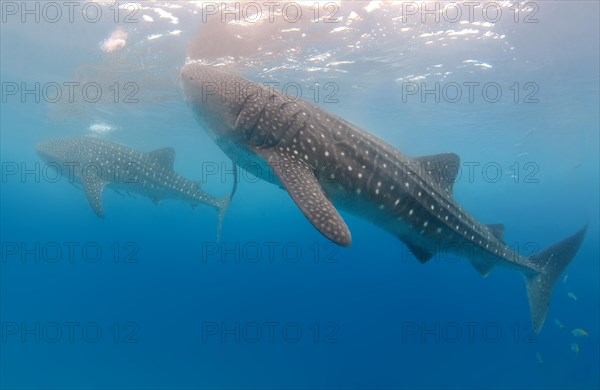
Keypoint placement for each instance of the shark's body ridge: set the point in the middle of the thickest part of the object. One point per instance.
(325, 163)
(96, 164)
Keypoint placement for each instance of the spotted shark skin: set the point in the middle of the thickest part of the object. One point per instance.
(326, 163)
(95, 164)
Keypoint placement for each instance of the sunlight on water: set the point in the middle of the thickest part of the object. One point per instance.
(505, 93)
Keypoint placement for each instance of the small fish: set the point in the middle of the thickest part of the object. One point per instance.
(565, 279)
(572, 296)
(539, 358)
(579, 333)
(575, 348)
(559, 324)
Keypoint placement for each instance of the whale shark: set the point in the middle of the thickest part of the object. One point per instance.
(326, 163)
(96, 164)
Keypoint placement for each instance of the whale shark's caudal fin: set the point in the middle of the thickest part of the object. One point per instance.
(552, 261)
(225, 201)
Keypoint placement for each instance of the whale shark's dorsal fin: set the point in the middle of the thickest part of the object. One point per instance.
(164, 156)
(302, 184)
(497, 229)
(443, 167)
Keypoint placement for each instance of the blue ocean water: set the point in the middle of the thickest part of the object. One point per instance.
(146, 298)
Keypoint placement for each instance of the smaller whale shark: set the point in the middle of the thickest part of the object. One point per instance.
(95, 164)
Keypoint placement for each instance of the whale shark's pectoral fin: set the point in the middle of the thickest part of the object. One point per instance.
(93, 187)
(165, 157)
(301, 183)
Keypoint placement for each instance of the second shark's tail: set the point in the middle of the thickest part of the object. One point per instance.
(551, 261)
(224, 202)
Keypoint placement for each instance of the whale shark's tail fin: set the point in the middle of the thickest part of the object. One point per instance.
(551, 261)
(225, 201)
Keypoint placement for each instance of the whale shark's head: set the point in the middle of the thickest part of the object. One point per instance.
(68, 152)
(63, 155)
(219, 99)
(54, 151)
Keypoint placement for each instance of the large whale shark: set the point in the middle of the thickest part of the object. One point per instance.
(326, 163)
(95, 164)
